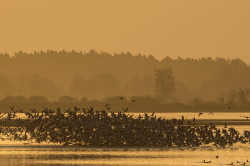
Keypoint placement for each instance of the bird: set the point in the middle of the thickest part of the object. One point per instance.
(121, 98)
(247, 117)
(132, 101)
(225, 125)
(76, 109)
(11, 108)
(125, 109)
(200, 114)
(216, 156)
(21, 111)
(207, 161)
(33, 110)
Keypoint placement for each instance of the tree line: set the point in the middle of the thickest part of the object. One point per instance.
(99, 75)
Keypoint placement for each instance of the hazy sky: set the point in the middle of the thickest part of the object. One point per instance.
(185, 28)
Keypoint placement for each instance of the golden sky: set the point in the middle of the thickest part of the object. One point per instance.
(185, 28)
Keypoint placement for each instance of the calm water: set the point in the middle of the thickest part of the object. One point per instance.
(18, 153)
(205, 115)
(44, 155)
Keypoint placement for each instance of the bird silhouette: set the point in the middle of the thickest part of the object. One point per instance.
(12, 108)
(125, 109)
(121, 98)
(207, 161)
(247, 117)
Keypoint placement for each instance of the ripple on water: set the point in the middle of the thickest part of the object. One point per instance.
(58, 155)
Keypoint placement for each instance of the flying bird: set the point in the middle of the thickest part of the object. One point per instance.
(11, 108)
(125, 109)
(200, 114)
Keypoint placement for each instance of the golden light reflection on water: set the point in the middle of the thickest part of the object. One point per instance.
(45, 155)
(205, 115)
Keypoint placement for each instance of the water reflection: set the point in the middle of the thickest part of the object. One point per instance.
(43, 155)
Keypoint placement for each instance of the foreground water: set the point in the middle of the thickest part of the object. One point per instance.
(57, 155)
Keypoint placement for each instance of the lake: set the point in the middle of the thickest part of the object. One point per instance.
(57, 155)
(205, 115)
(18, 153)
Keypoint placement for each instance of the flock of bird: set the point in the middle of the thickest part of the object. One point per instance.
(232, 163)
(86, 127)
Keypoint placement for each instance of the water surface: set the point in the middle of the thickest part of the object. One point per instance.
(57, 155)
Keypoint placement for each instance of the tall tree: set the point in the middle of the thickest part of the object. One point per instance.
(164, 84)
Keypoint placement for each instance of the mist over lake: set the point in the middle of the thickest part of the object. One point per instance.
(124, 83)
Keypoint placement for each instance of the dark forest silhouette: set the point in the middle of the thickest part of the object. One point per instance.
(100, 76)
